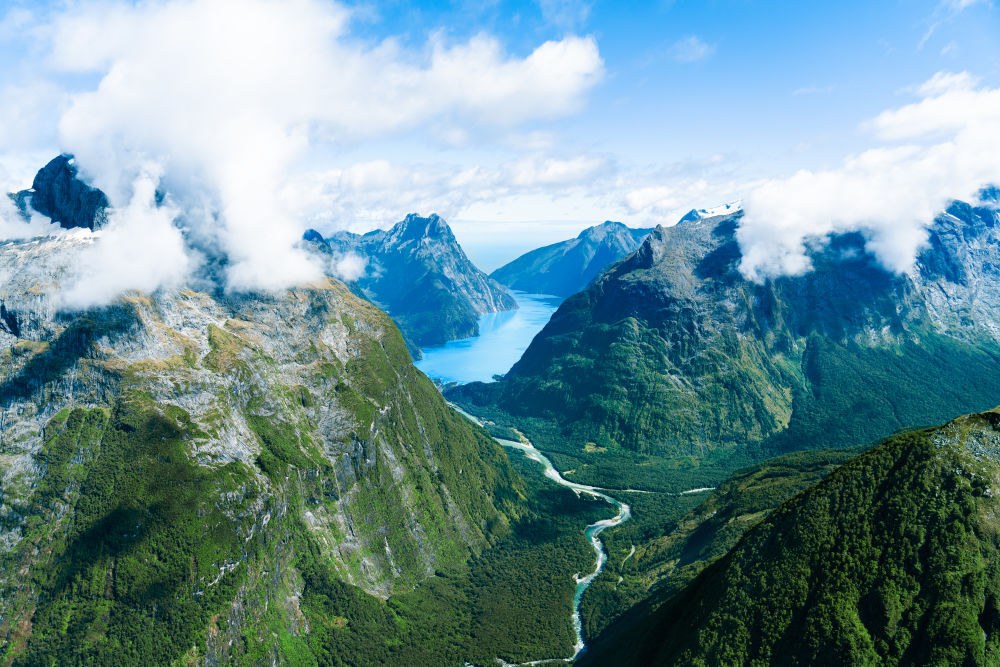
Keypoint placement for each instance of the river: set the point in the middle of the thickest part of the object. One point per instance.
(502, 338)
(591, 532)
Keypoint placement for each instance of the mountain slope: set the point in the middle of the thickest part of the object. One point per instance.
(893, 559)
(58, 193)
(663, 553)
(567, 267)
(672, 352)
(220, 472)
(423, 279)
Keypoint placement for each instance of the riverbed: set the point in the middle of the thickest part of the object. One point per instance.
(591, 532)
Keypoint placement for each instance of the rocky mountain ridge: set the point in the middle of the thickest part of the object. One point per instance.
(567, 267)
(420, 275)
(672, 351)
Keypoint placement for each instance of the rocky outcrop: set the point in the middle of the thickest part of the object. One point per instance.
(567, 267)
(58, 193)
(421, 276)
(205, 460)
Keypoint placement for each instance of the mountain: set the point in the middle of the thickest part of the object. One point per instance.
(713, 212)
(567, 267)
(58, 193)
(662, 550)
(671, 352)
(421, 276)
(196, 476)
(892, 559)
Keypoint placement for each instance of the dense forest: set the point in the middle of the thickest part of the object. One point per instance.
(146, 569)
(892, 559)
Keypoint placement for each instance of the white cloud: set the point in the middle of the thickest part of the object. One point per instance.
(704, 184)
(349, 266)
(691, 49)
(946, 12)
(945, 82)
(942, 147)
(530, 172)
(378, 192)
(231, 98)
(29, 114)
(14, 226)
(139, 249)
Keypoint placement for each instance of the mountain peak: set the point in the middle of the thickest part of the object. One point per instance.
(313, 235)
(598, 232)
(58, 193)
(413, 227)
(566, 267)
(714, 212)
(316, 241)
(424, 279)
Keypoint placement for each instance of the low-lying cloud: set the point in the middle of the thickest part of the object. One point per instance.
(232, 100)
(945, 146)
(139, 249)
(13, 226)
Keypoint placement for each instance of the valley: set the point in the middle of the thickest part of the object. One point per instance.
(359, 333)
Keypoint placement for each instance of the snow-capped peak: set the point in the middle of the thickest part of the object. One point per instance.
(715, 211)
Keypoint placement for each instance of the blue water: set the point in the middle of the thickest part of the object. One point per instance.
(502, 338)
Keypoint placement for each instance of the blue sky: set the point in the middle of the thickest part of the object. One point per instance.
(772, 75)
(778, 84)
(641, 110)
(770, 87)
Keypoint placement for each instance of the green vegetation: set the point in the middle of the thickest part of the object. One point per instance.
(141, 546)
(673, 538)
(849, 394)
(135, 573)
(892, 559)
(859, 394)
(513, 601)
(672, 360)
(612, 468)
(141, 560)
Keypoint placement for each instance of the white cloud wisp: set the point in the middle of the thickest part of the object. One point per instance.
(945, 146)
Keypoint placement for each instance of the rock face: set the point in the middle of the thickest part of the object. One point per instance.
(182, 470)
(671, 351)
(58, 193)
(420, 275)
(892, 559)
(567, 267)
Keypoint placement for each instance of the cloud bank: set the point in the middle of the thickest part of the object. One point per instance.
(139, 249)
(376, 192)
(944, 146)
(223, 104)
